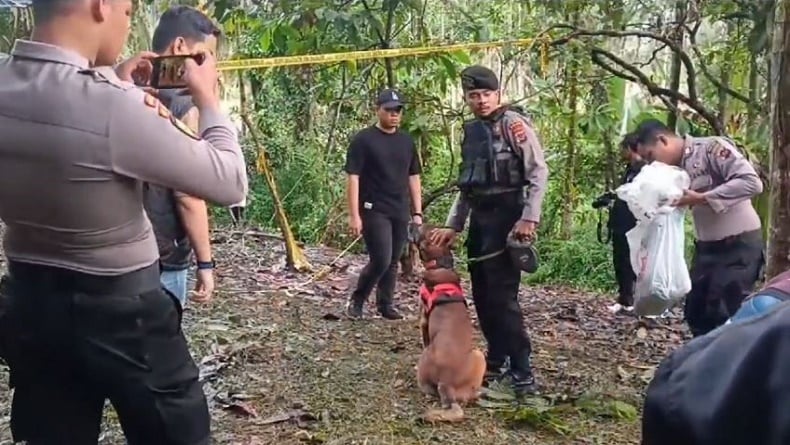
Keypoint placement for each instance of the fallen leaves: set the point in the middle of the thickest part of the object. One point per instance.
(280, 365)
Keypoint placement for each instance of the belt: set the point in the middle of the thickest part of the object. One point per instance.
(745, 238)
(40, 277)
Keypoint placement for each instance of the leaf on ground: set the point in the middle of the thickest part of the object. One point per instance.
(298, 415)
(242, 408)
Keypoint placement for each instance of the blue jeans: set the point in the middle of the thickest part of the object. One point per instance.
(175, 281)
(754, 307)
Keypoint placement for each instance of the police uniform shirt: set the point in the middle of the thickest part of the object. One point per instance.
(728, 181)
(520, 131)
(76, 145)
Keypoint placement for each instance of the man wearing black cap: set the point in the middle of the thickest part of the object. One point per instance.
(502, 181)
(383, 174)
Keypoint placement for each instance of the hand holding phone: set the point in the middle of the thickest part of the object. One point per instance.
(170, 71)
(202, 79)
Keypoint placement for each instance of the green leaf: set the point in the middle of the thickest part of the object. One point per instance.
(462, 57)
(266, 40)
(624, 410)
(449, 66)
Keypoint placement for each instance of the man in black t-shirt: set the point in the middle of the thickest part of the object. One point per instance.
(383, 177)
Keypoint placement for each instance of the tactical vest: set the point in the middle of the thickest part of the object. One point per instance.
(487, 156)
(175, 250)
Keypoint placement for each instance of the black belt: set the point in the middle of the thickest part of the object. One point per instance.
(751, 238)
(39, 277)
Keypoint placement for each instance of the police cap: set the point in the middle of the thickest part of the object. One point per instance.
(477, 77)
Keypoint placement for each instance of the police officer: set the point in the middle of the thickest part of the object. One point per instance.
(728, 252)
(502, 180)
(87, 318)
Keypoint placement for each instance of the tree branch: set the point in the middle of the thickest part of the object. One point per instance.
(628, 71)
(691, 73)
(712, 79)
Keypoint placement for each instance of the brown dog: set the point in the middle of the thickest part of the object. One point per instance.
(450, 367)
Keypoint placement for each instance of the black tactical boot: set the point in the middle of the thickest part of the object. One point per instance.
(495, 371)
(355, 307)
(522, 377)
(388, 312)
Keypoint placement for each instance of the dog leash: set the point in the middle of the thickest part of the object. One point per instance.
(324, 270)
(478, 259)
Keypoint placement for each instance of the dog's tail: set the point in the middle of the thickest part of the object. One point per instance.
(450, 411)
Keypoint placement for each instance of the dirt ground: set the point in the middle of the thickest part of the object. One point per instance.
(280, 365)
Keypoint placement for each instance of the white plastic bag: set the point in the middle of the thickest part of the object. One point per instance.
(657, 241)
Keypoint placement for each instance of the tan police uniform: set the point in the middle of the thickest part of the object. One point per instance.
(87, 318)
(503, 179)
(728, 253)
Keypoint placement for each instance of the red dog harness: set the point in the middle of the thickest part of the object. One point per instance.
(441, 294)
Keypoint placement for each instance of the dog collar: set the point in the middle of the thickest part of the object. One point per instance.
(445, 262)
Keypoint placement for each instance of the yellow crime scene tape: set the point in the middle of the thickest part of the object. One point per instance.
(314, 59)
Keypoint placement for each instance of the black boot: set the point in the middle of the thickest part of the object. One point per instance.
(388, 312)
(522, 377)
(355, 307)
(495, 371)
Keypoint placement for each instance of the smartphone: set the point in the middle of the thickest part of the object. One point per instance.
(168, 71)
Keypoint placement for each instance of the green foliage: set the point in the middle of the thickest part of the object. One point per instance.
(306, 115)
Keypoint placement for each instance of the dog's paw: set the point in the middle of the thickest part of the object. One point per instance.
(453, 414)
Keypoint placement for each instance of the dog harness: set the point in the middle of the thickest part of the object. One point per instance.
(441, 294)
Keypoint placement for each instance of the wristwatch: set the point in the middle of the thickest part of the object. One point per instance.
(204, 265)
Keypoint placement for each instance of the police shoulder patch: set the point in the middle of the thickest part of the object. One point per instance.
(164, 112)
(184, 128)
(518, 129)
(151, 101)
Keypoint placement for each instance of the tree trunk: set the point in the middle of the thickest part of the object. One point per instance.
(569, 180)
(779, 233)
(675, 71)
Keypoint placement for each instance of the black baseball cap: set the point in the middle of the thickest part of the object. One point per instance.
(389, 98)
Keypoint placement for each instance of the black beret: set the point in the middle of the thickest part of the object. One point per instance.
(478, 77)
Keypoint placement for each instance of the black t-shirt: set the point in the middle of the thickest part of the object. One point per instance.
(384, 162)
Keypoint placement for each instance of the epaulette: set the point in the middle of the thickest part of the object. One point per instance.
(105, 74)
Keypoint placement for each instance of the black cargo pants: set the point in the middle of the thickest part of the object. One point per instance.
(495, 281)
(385, 238)
(72, 340)
(722, 273)
(623, 271)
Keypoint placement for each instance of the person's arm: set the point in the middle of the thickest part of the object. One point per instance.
(415, 184)
(352, 195)
(193, 211)
(355, 162)
(526, 141)
(458, 213)
(147, 143)
(741, 181)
